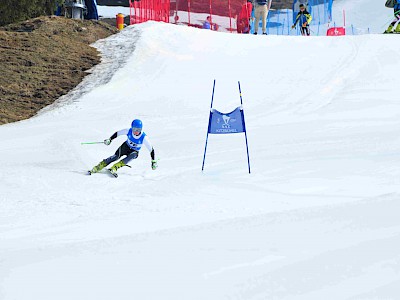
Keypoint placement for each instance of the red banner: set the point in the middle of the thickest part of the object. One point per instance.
(336, 31)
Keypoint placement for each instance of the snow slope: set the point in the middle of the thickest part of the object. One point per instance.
(316, 219)
(365, 15)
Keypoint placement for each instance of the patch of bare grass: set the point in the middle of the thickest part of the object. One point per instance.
(42, 59)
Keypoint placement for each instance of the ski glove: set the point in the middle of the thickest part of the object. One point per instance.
(107, 142)
(154, 164)
(305, 24)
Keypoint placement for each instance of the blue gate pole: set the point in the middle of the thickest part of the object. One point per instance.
(244, 127)
(209, 124)
(288, 23)
(277, 26)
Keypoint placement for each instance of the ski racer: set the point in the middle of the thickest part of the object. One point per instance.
(396, 19)
(130, 148)
(304, 18)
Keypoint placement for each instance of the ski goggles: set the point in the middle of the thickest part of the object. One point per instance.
(136, 131)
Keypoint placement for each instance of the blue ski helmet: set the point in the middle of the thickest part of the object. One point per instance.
(137, 125)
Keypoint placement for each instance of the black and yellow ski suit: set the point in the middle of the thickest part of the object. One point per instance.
(304, 19)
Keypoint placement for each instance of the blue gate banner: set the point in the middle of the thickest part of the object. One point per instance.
(221, 123)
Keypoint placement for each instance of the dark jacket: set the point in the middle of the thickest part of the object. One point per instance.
(262, 2)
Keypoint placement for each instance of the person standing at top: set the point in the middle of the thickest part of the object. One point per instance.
(261, 11)
(396, 19)
(130, 148)
(304, 19)
(243, 18)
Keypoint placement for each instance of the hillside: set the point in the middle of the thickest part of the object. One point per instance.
(42, 59)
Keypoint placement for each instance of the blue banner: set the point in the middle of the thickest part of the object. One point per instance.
(221, 123)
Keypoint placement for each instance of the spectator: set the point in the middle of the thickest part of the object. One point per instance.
(207, 23)
(243, 18)
(304, 19)
(261, 10)
(396, 8)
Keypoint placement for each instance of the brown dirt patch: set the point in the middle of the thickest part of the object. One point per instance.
(42, 59)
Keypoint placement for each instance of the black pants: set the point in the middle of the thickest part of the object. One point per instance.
(305, 30)
(124, 149)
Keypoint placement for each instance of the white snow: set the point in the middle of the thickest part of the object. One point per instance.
(365, 15)
(112, 11)
(316, 219)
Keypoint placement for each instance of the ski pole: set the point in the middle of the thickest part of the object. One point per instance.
(90, 143)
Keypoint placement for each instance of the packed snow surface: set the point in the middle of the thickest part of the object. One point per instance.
(317, 218)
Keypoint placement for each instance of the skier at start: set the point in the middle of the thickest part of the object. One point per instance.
(130, 148)
(304, 19)
(396, 6)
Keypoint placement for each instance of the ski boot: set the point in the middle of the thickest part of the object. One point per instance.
(389, 30)
(115, 167)
(154, 164)
(97, 168)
